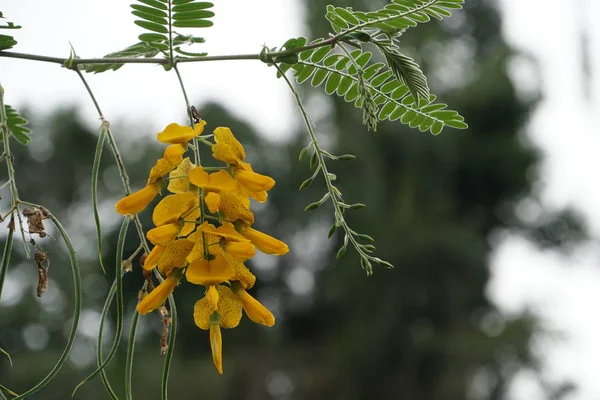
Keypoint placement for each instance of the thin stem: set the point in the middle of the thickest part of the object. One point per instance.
(185, 96)
(339, 216)
(6, 261)
(14, 193)
(119, 160)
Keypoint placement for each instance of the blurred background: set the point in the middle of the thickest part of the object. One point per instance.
(493, 230)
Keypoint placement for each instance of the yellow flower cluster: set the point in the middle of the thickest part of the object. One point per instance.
(186, 244)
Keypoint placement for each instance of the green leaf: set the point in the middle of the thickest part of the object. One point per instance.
(189, 15)
(150, 10)
(155, 4)
(151, 26)
(408, 72)
(7, 42)
(17, 125)
(153, 37)
(201, 23)
(191, 6)
(150, 18)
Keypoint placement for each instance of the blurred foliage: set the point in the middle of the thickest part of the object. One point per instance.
(423, 331)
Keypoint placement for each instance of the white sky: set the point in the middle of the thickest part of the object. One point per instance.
(564, 291)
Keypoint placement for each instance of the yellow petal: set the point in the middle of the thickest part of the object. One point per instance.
(212, 296)
(160, 169)
(235, 205)
(261, 197)
(255, 311)
(179, 181)
(174, 256)
(152, 259)
(175, 133)
(137, 201)
(157, 297)
(242, 273)
(173, 153)
(164, 234)
(227, 148)
(203, 232)
(213, 201)
(216, 346)
(254, 182)
(229, 308)
(227, 230)
(171, 207)
(240, 250)
(209, 272)
(215, 182)
(265, 243)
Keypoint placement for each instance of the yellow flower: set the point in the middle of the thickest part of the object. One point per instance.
(229, 308)
(137, 201)
(209, 272)
(157, 297)
(179, 181)
(170, 160)
(175, 133)
(227, 315)
(174, 256)
(213, 202)
(255, 311)
(176, 207)
(161, 235)
(265, 243)
(235, 205)
(229, 150)
(215, 182)
(153, 258)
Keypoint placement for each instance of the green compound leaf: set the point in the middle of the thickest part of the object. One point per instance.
(17, 125)
(392, 19)
(160, 18)
(381, 95)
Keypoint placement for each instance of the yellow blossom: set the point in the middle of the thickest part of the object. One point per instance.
(137, 201)
(216, 182)
(178, 206)
(227, 148)
(229, 308)
(213, 202)
(175, 133)
(153, 258)
(235, 205)
(157, 297)
(161, 235)
(174, 256)
(265, 243)
(255, 311)
(209, 272)
(179, 181)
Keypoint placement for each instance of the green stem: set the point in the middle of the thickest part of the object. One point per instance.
(95, 173)
(119, 160)
(170, 349)
(130, 353)
(339, 216)
(6, 261)
(120, 305)
(14, 193)
(99, 356)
